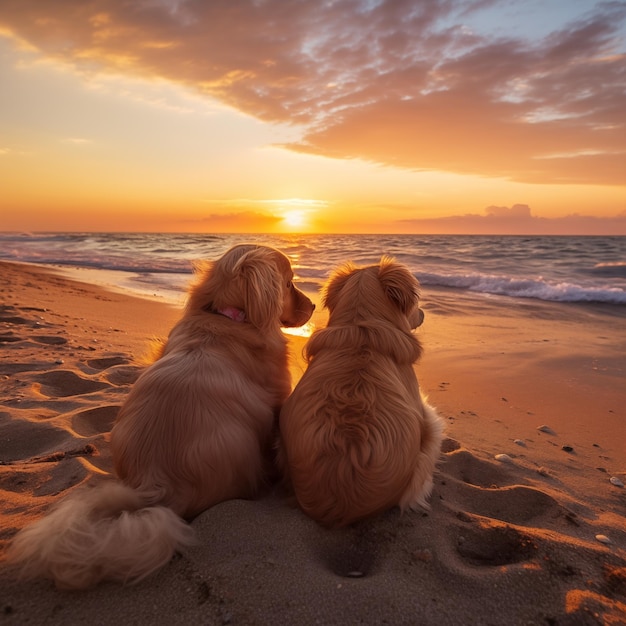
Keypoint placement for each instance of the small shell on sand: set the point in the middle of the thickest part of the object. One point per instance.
(545, 429)
(616, 481)
(505, 458)
(603, 539)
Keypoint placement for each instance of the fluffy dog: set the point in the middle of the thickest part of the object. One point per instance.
(197, 428)
(357, 437)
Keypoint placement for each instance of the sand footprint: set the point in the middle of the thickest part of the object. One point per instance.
(65, 383)
(95, 421)
(117, 369)
(495, 508)
(49, 340)
(487, 489)
(462, 465)
(104, 363)
(476, 489)
(490, 545)
(9, 318)
(122, 375)
(30, 439)
(517, 504)
(449, 445)
(38, 480)
(9, 337)
(13, 315)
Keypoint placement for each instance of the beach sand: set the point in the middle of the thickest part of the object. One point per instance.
(509, 540)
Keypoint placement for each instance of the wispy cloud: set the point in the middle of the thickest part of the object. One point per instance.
(302, 204)
(395, 82)
(234, 221)
(76, 141)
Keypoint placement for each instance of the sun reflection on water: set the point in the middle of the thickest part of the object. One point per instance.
(301, 331)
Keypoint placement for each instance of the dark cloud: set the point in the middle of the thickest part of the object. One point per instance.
(395, 82)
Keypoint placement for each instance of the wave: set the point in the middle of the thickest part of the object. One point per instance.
(140, 266)
(525, 288)
(569, 269)
(616, 269)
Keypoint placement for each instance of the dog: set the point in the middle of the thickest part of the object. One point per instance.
(356, 435)
(198, 427)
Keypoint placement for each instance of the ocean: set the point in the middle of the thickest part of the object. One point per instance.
(563, 269)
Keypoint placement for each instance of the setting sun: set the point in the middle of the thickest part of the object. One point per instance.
(294, 218)
(165, 119)
(298, 214)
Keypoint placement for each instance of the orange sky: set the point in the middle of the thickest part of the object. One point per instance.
(275, 115)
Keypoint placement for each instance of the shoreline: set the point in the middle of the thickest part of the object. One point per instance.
(507, 540)
(121, 281)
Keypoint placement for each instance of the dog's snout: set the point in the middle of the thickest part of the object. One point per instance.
(298, 309)
(416, 318)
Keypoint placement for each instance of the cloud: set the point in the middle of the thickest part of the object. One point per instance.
(243, 221)
(517, 219)
(516, 211)
(395, 82)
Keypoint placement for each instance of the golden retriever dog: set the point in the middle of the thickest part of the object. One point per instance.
(197, 428)
(356, 435)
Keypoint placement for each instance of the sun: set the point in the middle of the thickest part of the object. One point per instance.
(294, 218)
(297, 215)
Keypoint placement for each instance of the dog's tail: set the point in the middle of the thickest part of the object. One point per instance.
(108, 532)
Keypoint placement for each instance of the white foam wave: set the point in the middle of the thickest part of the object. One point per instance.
(526, 288)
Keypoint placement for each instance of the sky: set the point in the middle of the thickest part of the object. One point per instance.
(346, 116)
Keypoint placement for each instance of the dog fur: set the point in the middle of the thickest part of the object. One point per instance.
(357, 437)
(197, 428)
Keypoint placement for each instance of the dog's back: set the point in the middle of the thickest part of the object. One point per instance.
(196, 427)
(357, 436)
(351, 429)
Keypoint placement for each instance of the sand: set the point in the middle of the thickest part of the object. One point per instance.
(507, 541)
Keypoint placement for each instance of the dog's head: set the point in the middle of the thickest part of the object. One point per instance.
(254, 281)
(384, 291)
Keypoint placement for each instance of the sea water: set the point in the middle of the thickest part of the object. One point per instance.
(565, 269)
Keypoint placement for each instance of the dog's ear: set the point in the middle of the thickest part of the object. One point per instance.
(335, 284)
(400, 286)
(261, 284)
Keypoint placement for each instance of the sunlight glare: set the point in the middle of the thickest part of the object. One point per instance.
(294, 218)
(297, 214)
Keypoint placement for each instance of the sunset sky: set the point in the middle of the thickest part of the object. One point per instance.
(479, 116)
